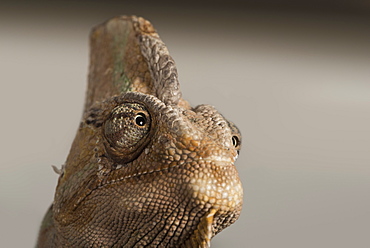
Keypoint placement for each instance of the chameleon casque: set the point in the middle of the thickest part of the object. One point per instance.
(145, 169)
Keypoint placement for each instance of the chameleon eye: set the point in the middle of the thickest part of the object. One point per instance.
(126, 130)
(236, 137)
(235, 140)
(140, 119)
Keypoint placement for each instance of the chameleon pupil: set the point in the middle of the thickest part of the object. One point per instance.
(140, 120)
(235, 141)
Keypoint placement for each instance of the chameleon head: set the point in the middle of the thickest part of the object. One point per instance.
(152, 173)
(145, 169)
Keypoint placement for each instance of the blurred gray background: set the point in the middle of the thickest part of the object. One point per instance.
(294, 76)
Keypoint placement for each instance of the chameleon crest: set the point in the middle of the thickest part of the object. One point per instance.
(145, 168)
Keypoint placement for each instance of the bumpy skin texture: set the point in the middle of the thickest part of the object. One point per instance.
(145, 168)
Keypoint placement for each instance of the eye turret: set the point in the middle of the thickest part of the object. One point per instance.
(126, 131)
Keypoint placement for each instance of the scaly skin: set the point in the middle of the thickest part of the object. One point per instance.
(145, 168)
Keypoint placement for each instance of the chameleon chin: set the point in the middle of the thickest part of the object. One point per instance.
(145, 168)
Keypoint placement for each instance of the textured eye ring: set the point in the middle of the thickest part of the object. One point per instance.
(140, 119)
(126, 131)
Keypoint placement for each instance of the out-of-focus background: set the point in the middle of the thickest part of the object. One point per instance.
(294, 76)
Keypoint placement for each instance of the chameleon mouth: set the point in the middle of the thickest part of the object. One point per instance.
(219, 184)
(218, 160)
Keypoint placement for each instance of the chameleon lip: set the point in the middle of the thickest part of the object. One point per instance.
(218, 160)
